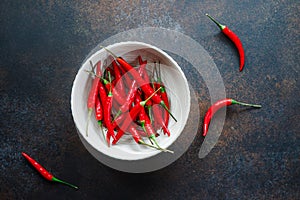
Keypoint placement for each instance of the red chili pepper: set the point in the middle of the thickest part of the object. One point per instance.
(47, 175)
(98, 110)
(158, 118)
(93, 94)
(164, 97)
(142, 115)
(165, 121)
(149, 129)
(102, 95)
(147, 89)
(107, 116)
(99, 113)
(143, 73)
(118, 78)
(220, 104)
(234, 38)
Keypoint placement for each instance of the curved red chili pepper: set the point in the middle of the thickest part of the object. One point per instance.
(93, 94)
(149, 129)
(164, 97)
(159, 119)
(107, 118)
(216, 106)
(146, 123)
(234, 38)
(107, 114)
(142, 116)
(47, 175)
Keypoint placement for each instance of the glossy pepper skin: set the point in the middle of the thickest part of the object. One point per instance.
(93, 94)
(47, 175)
(217, 106)
(98, 110)
(234, 38)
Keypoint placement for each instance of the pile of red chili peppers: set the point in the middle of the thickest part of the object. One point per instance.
(127, 100)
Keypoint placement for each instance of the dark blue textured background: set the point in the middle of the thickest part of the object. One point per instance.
(42, 44)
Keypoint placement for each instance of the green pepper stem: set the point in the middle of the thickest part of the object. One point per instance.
(152, 136)
(109, 51)
(63, 182)
(101, 127)
(245, 104)
(144, 102)
(162, 103)
(149, 145)
(117, 115)
(150, 114)
(109, 79)
(221, 26)
(144, 129)
(88, 121)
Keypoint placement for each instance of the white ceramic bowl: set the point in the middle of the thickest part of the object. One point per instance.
(176, 87)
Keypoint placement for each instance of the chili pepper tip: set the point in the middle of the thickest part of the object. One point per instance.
(63, 182)
(158, 148)
(245, 104)
(109, 51)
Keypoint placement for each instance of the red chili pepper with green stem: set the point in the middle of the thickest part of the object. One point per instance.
(147, 89)
(142, 115)
(47, 175)
(143, 73)
(218, 105)
(149, 128)
(93, 93)
(159, 119)
(234, 38)
(107, 115)
(164, 97)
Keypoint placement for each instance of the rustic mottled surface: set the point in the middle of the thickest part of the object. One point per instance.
(42, 44)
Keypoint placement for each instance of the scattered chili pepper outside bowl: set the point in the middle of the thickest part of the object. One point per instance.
(160, 67)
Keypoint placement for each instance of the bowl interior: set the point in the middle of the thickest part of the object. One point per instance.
(176, 87)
